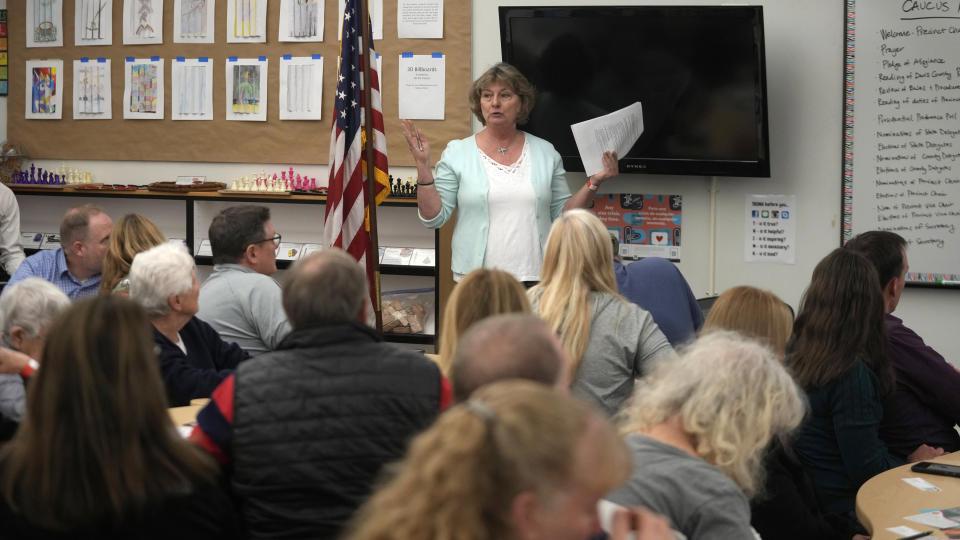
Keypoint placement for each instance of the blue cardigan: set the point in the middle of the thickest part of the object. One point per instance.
(462, 183)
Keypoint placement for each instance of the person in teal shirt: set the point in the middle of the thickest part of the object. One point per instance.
(507, 186)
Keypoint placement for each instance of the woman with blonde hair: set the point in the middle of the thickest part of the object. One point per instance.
(608, 339)
(754, 313)
(97, 455)
(698, 427)
(515, 461)
(480, 294)
(131, 234)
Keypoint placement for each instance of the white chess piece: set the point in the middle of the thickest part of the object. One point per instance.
(87, 178)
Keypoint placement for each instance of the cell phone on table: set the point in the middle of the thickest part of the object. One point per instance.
(942, 469)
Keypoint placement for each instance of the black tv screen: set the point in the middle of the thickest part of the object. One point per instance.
(698, 71)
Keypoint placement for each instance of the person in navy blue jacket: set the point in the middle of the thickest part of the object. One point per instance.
(193, 358)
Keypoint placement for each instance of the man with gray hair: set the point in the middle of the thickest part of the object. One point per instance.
(26, 311)
(75, 267)
(305, 429)
(509, 346)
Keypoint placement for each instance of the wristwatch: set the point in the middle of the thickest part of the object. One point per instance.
(592, 187)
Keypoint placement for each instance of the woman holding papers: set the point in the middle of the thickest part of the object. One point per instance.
(507, 185)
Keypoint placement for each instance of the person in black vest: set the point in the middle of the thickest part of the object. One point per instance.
(306, 428)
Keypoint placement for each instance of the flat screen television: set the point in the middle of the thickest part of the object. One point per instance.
(698, 71)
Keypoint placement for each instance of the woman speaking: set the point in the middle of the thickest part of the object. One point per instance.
(508, 186)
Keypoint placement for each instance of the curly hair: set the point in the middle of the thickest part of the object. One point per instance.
(510, 76)
(732, 396)
(460, 477)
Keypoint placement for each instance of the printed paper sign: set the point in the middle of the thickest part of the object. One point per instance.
(770, 229)
(646, 225)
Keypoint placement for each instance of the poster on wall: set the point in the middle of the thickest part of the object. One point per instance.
(301, 94)
(193, 21)
(247, 21)
(771, 234)
(645, 225)
(93, 23)
(4, 72)
(143, 88)
(91, 89)
(142, 22)
(300, 20)
(44, 88)
(247, 89)
(44, 23)
(192, 81)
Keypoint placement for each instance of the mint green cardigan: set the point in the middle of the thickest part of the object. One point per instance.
(462, 183)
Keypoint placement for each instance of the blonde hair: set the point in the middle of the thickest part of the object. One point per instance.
(732, 396)
(577, 261)
(132, 234)
(755, 313)
(460, 477)
(480, 294)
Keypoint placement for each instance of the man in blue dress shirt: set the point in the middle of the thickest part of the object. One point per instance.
(75, 267)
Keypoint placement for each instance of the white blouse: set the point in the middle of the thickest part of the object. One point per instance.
(513, 242)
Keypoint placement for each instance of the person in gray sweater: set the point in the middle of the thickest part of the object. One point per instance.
(698, 427)
(240, 300)
(610, 341)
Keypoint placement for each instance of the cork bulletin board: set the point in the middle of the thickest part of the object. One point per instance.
(219, 140)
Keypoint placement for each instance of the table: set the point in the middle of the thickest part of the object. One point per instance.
(183, 416)
(885, 499)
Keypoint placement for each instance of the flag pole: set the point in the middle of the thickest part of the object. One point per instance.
(373, 259)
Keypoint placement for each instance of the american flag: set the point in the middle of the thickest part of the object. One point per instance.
(346, 222)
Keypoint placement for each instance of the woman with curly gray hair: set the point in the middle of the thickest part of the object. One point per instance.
(698, 427)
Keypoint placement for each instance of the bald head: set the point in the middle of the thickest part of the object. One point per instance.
(328, 285)
(511, 346)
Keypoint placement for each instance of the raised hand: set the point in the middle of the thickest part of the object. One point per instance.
(416, 141)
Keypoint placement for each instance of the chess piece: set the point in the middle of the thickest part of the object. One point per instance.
(88, 178)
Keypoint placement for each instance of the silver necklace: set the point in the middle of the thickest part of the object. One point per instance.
(503, 149)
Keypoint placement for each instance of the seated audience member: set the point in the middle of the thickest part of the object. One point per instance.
(754, 313)
(97, 456)
(131, 234)
(925, 405)
(608, 340)
(786, 508)
(26, 312)
(193, 358)
(510, 346)
(240, 299)
(481, 293)
(11, 252)
(516, 460)
(657, 286)
(698, 428)
(839, 356)
(307, 428)
(75, 266)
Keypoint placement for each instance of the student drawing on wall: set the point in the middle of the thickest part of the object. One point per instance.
(44, 88)
(193, 18)
(46, 29)
(246, 89)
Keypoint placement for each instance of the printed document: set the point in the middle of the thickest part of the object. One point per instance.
(617, 132)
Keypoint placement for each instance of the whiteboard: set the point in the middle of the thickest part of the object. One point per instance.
(902, 130)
